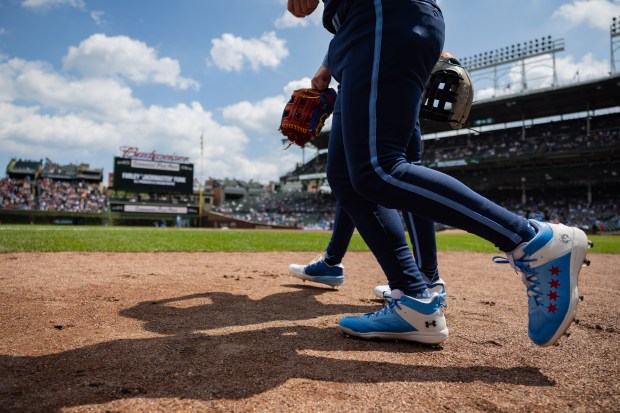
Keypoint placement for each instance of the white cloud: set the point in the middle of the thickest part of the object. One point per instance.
(262, 116)
(232, 53)
(47, 114)
(287, 20)
(97, 17)
(303, 83)
(585, 69)
(48, 4)
(540, 75)
(100, 56)
(31, 134)
(596, 13)
(27, 128)
(36, 82)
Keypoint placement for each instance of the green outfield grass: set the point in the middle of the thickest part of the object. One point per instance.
(35, 238)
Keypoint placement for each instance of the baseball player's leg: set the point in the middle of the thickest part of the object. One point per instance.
(376, 103)
(341, 237)
(424, 244)
(421, 233)
(414, 315)
(378, 128)
(421, 230)
(392, 251)
(328, 269)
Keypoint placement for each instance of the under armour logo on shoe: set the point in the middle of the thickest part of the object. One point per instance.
(430, 323)
(565, 238)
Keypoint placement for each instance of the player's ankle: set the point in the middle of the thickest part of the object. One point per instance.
(419, 293)
(529, 233)
(331, 262)
(432, 275)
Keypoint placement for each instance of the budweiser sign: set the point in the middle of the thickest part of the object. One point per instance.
(133, 152)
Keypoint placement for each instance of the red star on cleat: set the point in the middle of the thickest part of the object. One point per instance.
(553, 296)
(554, 283)
(552, 308)
(555, 270)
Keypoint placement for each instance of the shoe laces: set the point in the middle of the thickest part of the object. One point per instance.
(395, 302)
(387, 309)
(318, 258)
(529, 275)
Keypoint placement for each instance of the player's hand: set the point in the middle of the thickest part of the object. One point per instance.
(302, 8)
(321, 78)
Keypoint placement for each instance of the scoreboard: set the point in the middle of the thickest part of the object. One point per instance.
(142, 175)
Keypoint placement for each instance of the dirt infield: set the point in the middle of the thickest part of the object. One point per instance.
(234, 332)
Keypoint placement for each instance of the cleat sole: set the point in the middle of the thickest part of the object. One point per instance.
(331, 283)
(418, 337)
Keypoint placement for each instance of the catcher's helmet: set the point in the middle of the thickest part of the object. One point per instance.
(448, 93)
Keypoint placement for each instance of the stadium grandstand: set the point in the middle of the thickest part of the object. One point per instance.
(47, 192)
(553, 151)
(39, 186)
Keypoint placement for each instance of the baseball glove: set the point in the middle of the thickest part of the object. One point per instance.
(305, 114)
(448, 94)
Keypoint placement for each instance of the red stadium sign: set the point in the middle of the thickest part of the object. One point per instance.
(134, 152)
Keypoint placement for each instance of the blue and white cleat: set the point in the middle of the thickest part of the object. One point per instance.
(404, 318)
(550, 265)
(319, 272)
(439, 287)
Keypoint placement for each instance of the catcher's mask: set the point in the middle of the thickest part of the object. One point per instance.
(448, 94)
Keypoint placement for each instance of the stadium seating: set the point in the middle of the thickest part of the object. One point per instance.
(32, 187)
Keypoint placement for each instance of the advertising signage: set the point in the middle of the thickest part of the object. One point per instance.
(142, 175)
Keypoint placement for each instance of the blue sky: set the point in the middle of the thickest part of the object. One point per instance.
(81, 78)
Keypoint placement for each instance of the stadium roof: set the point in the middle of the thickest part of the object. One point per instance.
(23, 167)
(540, 103)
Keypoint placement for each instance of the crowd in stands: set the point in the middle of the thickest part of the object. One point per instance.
(602, 215)
(296, 209)
(51, 195)
(316, 210)
(542, 139)
(305, 209)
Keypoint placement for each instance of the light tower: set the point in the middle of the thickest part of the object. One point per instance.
(614, 41)
(496, 63)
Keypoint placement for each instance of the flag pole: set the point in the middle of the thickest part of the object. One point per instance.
(201, 199)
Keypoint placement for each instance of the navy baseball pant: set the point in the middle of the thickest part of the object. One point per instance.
(381, 85)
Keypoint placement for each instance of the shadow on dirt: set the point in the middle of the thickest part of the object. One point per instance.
(190, 363)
